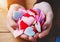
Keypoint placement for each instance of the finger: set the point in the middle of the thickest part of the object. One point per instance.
(11, 22)
(47, 22)
(32, 39)
(45, 32)
(23, 36)
(36, 35)
(10, 17)
(10, 28)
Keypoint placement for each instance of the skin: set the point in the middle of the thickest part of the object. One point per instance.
(45, 7)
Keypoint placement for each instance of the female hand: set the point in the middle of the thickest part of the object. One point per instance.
(12, 25)
(47, 10)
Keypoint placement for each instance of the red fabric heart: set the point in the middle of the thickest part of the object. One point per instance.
(26, 15)
(23, 25)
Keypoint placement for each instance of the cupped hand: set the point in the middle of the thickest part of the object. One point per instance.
(12, 25)
(47, 10)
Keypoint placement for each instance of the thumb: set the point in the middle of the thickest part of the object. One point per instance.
(47, 22)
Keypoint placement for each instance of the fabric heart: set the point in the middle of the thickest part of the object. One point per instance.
(38, 27)
(38, 10)
(22, 25)
(37, 18)
(42, 19)
(29, 31)
(28, 20)
(26, 15)
(17, 15)
(31, 13)
(17, 33)
(42, 16)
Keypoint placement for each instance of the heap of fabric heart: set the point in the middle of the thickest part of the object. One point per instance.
(29, 21)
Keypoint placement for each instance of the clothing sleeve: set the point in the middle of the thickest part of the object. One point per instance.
(21, 2)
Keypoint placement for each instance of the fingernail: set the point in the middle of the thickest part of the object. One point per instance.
(44, 28)
(40, 36)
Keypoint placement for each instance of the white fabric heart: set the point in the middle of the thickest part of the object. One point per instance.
(17, 33)
(28, 20)
(38, 27)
